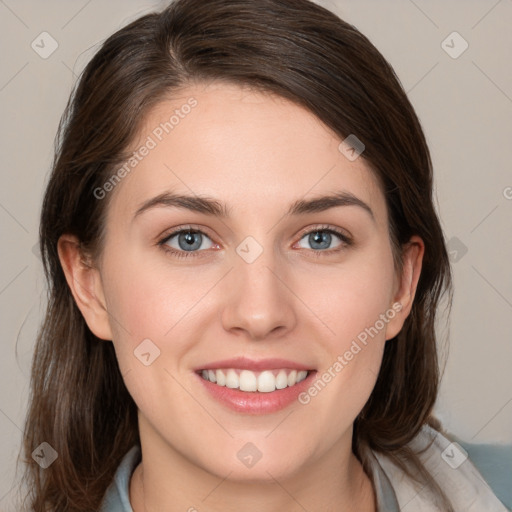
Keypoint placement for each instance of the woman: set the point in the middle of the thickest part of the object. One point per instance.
(245, 267)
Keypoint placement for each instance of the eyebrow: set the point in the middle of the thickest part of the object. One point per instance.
(210, 206)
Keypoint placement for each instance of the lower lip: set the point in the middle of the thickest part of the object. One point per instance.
(257, 402)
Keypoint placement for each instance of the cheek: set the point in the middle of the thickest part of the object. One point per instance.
(354, 303)
(351, 298)
(347, 378)
(164, 305)
(147, 299)
(145, 314)
(142, 306)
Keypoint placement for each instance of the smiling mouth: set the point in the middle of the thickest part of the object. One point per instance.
(248, 381)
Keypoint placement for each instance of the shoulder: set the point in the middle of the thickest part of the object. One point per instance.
(494, 462)
(117, 497)
(462, 472)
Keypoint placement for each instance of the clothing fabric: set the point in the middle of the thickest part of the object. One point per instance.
(447, 462)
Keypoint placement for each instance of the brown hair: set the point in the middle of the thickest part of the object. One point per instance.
(293, 48)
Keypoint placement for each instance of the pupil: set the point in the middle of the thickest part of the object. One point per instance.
(317, 239)
(190, 241)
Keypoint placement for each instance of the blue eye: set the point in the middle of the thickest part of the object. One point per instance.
(187, 240)
(321, 239)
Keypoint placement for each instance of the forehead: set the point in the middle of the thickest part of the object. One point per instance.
(250, 149)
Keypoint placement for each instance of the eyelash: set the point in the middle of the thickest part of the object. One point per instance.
(345, 240)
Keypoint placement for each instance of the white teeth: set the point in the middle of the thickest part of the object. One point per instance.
(301, 376)
(292, 377)
(266, 382)
(232, 379)
(246, 380)
(221, 378)
(281, 380)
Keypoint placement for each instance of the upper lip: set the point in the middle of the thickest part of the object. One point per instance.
(244, 363)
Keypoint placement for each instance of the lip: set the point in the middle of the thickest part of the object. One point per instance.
(256, 403)
(243, 363)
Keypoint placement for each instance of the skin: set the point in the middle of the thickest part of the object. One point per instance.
(257, 153)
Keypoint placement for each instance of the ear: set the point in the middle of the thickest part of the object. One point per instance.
(85, 283)
(406, 285)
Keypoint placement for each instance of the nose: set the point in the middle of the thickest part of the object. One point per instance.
(259, 299)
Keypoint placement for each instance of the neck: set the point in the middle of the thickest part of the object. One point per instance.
(168, 481)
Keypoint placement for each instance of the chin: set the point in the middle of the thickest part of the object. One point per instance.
(250, 465)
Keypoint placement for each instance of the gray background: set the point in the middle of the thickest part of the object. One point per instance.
(464, 103)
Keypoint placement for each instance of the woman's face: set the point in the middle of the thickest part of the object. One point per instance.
(269, 283)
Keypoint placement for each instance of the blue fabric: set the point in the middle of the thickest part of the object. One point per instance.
(495, 464)
(117, 497)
